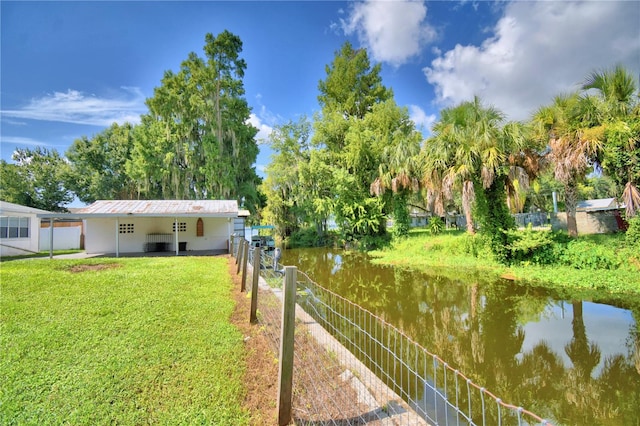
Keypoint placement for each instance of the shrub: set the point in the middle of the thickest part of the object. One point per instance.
(632, 237)
(474, 244)
(588, 255)
(537, 247)
(435, 225)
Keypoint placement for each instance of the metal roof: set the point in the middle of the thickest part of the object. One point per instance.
(599, 204)
(158, 208)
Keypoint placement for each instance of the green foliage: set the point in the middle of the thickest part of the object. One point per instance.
(98, 165)
(131, 341)
(36, 179)
(196, 142)
(460, 251)
(435, 225)
(495, 219)
(401, 218)
(535, 247)
(309, 237)
(288, 207)
(359, 119)
(589, 255)
(632, 236)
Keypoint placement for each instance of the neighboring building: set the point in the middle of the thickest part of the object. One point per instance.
(134, 226)
(19, 229)
(594, 217)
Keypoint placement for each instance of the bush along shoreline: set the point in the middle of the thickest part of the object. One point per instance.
(607, 263)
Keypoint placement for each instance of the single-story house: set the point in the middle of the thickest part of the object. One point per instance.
(135, 226)
(594, 217)
(19, 229)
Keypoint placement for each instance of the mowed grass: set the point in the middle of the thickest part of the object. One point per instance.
(119, 341)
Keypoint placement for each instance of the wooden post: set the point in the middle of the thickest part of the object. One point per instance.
(239, 260)
(245, 260)
(254, 286)
(285, 375)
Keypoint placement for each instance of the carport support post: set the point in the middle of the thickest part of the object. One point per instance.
(50, 238)
(254, 285)
(285, 376)
(175, 230)
(117, 237)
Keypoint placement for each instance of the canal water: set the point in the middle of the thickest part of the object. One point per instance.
(569, 360)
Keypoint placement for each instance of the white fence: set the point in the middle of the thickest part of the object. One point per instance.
(64, 238)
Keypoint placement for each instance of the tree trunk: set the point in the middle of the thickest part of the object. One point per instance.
(467, 197)
(570, 201)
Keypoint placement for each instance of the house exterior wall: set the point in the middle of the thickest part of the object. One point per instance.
(19, 246)
(100, 233)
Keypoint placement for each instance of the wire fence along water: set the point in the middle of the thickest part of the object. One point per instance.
(385, 368)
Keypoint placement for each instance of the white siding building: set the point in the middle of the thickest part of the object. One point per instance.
(135, 226)
(19, 229)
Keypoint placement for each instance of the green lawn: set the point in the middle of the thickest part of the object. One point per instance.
(142, 340)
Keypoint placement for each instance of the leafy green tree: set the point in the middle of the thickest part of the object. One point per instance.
(98, 165)
(348, 133)
(282, 186)
(399, 169)
(36, 179)
(196, 142)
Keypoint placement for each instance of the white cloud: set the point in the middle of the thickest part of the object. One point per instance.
(393, 31)
(76, 107)
(421, 119)
(538, 50)
(264, 131)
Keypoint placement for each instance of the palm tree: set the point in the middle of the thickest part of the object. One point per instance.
(573, 145)
(619, 115)
(464, 150)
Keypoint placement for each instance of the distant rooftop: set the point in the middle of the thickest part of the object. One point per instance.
(599, 204)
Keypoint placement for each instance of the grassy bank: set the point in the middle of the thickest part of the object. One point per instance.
(119, 341)
(455, 253)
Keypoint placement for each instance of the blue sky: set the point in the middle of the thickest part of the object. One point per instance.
(69, 69)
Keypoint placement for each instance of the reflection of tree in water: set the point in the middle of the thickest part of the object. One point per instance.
(476, 327)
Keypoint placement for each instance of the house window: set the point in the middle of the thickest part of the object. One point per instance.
(126, 228)
(14, 227)
(182, 227)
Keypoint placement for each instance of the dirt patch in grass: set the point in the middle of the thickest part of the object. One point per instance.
(76, 269)
(261, 377)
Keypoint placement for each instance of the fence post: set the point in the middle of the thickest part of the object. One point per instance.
(286, 346)
(239, 258)
(254, 285)
(231, 245)
(245, 260)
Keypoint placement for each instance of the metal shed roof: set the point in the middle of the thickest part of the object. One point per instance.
(158, 208)
(599, 204)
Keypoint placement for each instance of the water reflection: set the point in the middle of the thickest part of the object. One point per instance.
(566, 359)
